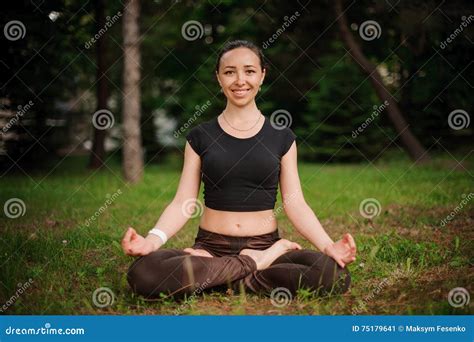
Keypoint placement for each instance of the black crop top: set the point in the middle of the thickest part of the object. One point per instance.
(240, 174)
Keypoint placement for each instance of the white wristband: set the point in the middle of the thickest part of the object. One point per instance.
(161, 234)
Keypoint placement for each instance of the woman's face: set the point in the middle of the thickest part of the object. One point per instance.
(240, 75)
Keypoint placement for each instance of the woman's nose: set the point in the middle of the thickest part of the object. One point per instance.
(240, 78)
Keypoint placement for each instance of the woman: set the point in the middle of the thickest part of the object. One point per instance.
(241, 157)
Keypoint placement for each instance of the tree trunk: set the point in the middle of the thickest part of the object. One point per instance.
(411, 144)
(132, 142)
(98, 151)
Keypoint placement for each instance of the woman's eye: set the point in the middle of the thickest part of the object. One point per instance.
(231, 72)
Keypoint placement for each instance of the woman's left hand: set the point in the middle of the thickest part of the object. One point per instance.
(343, 251)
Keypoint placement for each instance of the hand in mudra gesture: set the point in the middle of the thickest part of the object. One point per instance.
(136, 245)
(343, 251)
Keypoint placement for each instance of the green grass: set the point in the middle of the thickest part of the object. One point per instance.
(67, 259)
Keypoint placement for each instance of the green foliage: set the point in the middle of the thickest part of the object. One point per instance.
(393, 248)
(342, 101)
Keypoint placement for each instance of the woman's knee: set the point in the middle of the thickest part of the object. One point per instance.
(332, 278)
(144, 280)
(342, 280)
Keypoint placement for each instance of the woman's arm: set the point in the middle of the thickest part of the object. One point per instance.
(172, 219)
(305, 221)
(302, 216)
(176, 214)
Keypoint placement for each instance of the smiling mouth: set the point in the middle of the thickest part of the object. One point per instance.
(240, 91)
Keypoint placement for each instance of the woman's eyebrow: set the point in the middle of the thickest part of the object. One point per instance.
(245, 66)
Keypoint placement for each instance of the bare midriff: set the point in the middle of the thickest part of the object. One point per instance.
(233, 223)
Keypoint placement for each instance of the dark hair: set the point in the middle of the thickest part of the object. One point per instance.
(234, 44)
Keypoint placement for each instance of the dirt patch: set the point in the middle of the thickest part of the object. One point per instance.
(426, 289)
(413, 222)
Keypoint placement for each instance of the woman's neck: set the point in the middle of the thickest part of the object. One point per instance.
(241, 114)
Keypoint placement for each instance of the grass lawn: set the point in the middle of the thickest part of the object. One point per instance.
(408, 261)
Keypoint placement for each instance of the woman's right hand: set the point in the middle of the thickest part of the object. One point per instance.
(136, 245)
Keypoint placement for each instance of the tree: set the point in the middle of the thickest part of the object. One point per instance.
(132, 149)
(333, 128)
(98, 150)
(411, 144)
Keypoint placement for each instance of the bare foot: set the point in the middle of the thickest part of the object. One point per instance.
(266, 257)
(198, 252)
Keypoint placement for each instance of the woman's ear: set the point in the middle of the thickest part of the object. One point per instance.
(218, 80)
(264, 72)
